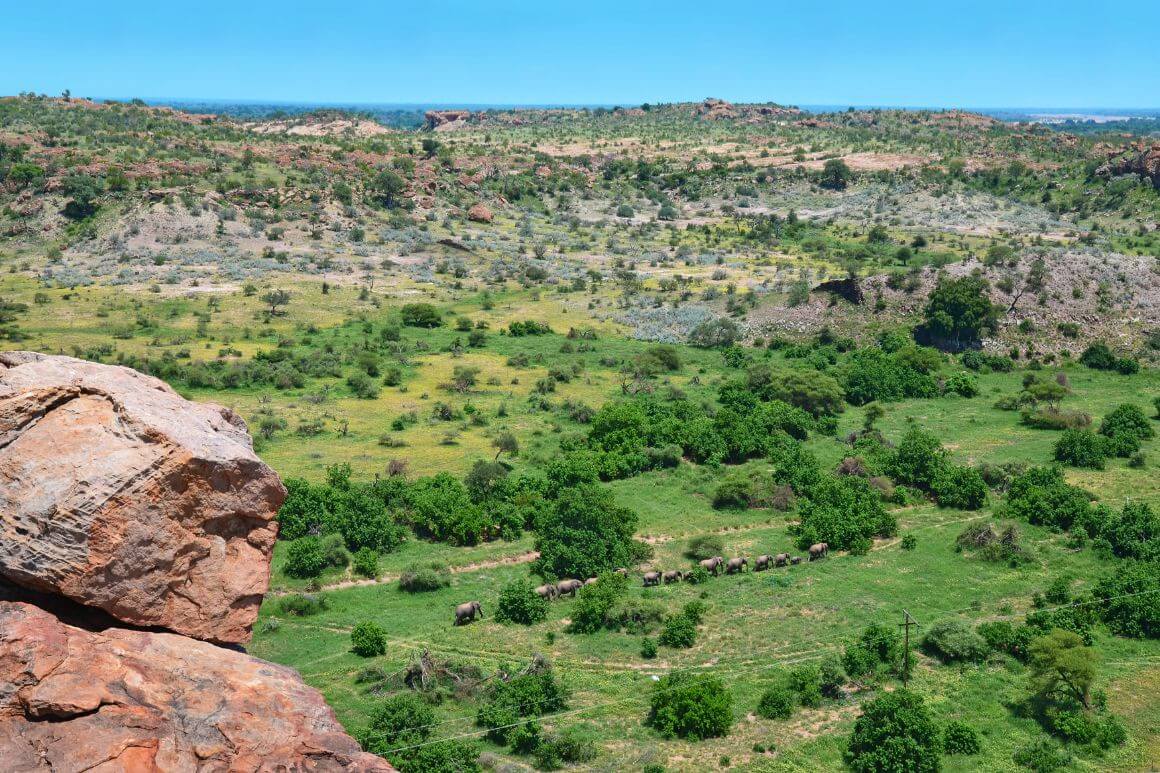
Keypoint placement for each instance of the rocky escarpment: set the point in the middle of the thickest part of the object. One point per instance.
(118, 493)
(125, 509)
(1144, 161)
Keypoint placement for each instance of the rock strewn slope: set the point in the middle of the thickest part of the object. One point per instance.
(118, 493)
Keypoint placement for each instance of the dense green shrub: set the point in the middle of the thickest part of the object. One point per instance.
(1042, 497)
(872, 374)
(843, 511)
(810, 390)
(421, 578)
(1042, 756)
(1098, 356)
(567, 747)
(961, 384)
(680, 631)
(1081, 448)
(305, 558)
(339, 506)
(441, 507)
(1125, 427)
(1129, 599)
(960, 738)
(648, 648)
(519, 603)
(918, 459)
(953, 642)
(959, 487)
(401, 720)
(421, 315)
(368, 639)
(957, 313)
(529, 694)
(585, 533)
(878, 648)
(442, 757)
(895, 732)
(366, 563)
(690, 706)
(731, 494)
(777, 703)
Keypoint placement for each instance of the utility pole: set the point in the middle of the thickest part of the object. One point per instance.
(907, 622)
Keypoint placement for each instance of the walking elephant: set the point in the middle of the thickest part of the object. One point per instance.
(819, 550)
(713, 565)
(467, 611)
(652, 578)
(675, 575)
(736, 565)
(762, 562)
(569, 586)
(795, 560)
(548, 592)
(781, 559)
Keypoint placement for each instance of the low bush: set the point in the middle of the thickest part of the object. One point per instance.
(519, 603)
(302, 605)
(690, 706)
(368, 639)
(1043, 756)
(421, 578)
(305, 558)
(777, 703)
(704, 546)
(960, 738)
(679, 632)
(1081, 448)
(959, 487)
(366, 563)
(954, 642)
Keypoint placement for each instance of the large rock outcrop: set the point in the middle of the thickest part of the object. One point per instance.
(119, 494)
(1144, 161)
(122, 700)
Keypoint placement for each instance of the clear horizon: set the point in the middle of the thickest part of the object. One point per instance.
(972, 55)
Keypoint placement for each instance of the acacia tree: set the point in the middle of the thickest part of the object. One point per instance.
(958, 312)
(274, 299)
(1063, 665)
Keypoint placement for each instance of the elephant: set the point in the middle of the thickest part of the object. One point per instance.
(819, 550)
(548, 591)
(621, 571)
(467, 611)
(762, 562)
(795, 560)
(713, 565)
(676, 575)
(569, 586)
(781, 559)
(652, 578)
(736, 565)
(591, 580)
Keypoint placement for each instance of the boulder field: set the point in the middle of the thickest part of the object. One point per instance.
(152, 518)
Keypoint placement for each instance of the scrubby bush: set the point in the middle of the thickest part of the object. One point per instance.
(777, 703)
(648, 648)
(305, 558)
(401, 720)
(1125, 427)
(680, 631)
(529, 694)
(1042, 756)
(895, 732)
(690, 706)
(878, 648)
(302, 605)
(366, 563)
(368, 639)
(953, 642)
(1081, 448)
(732, 494)
(960, 738)
(1042, 497)
(1130, 599)
(421, 315)
(519, 603)
(584, 533)
(959, 487)
(567, 747)
(961, 384)
(918, 459)
(1098, 356)
(595, 604)
(843, 512)
(421, 578)
(704, 546)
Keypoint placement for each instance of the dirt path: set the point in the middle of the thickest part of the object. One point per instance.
(522, 558)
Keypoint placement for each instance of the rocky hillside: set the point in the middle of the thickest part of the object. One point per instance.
(135, 537)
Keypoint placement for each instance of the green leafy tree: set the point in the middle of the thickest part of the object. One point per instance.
(584, 534)
(386, 188)
(690, 706)
(519, 603)
(368, 639)
(835, 175)
(895, 732)
(305, 558)
(1062, 665)
(958, 313)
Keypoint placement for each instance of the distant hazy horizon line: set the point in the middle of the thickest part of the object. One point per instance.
(813, 107)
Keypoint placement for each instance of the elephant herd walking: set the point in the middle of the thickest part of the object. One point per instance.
(467, 611)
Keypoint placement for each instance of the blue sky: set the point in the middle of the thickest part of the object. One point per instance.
(937, 53)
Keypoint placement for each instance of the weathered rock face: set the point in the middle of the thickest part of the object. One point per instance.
(446, 120)
(1145, 162)
(120, 700)
(119, 494)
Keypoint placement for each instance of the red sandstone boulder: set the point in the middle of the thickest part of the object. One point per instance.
(119, 700)
(480, 214)
(119, 494)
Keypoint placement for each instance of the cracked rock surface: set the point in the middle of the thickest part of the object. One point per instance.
(126, 700)
(119, 494)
